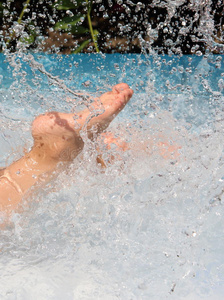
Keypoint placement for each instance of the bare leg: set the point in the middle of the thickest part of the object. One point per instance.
(56, 140)
(160, 144)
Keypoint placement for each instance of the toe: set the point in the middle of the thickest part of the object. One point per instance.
(126, 94)
(120, 87)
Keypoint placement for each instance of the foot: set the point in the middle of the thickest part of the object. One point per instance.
(57, 135)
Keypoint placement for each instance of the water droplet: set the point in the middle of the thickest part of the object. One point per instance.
(70, 13)
(87, 83)
(116, 66)
(199, 53)
(102, 8)
(105, 15)
(127, 10)
(51, 21)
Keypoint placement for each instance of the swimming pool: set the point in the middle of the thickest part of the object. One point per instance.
(149, 228)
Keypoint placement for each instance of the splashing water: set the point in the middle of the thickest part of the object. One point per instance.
(149, 226)
(125, 232)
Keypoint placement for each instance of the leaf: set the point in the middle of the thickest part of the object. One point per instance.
(29, 37)
(79, 30)
(67, 4)
(95, 32)
(70, 24)
(67, 22)
(81, 47)
(32, 29)
(28, 40)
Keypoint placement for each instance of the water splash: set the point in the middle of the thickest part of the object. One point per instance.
(125, 232)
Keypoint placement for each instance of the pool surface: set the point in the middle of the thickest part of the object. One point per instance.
(148, 227)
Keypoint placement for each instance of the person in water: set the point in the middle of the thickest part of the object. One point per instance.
(57, 142)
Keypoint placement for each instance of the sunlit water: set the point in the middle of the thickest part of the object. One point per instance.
(146, 227)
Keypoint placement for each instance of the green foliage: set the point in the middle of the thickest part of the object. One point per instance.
(76, 17)
(29, 37)
(85, 43)
(73, 24)
(81, 47)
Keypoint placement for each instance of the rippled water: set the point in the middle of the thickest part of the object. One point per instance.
(145, 228)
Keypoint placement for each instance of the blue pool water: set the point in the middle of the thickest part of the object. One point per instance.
(147, 227)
